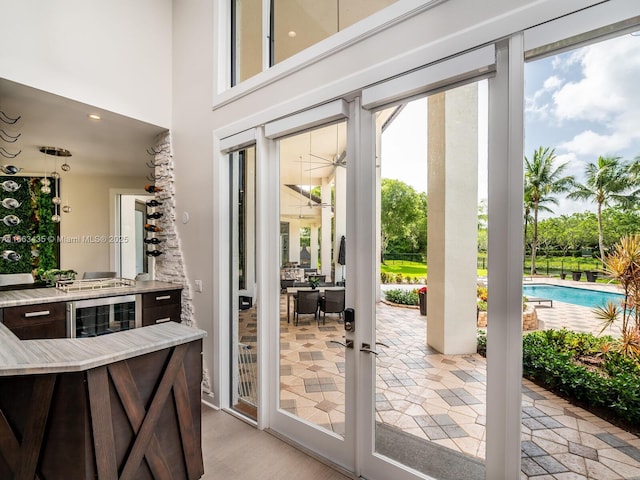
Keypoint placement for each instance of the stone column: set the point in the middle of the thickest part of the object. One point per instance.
(452, 227)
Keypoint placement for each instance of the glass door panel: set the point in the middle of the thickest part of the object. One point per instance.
(243, 301)
(312, 291)
(430, 384)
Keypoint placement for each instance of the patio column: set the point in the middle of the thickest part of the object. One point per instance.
(294, 242)
(313, 248)
(325, 240)
(340, 215)
(453, 220)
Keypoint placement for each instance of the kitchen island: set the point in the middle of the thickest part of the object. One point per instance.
(119, 406)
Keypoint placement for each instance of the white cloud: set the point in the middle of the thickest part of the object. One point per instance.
(538, 104)
(590, 143)
(552, 83)
(608, 87)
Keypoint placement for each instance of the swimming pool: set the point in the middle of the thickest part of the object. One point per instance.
(576, 296)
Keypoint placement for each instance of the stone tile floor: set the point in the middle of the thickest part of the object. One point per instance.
(441, 398)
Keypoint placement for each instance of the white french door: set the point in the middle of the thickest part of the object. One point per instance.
(312, 366)
(380, 400)
(424, 411)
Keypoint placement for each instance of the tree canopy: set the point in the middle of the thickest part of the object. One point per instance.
(403, 217)
(543, 181)
(609, 181)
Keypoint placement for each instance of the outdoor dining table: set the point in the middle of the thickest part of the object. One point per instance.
(291, 292)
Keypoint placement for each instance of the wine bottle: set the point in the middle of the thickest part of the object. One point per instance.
(152, 188)
(10, 169)
(153, 240)
(153, 203)
(152, 228)
(154, 215)
(10, 255)
(153, 253)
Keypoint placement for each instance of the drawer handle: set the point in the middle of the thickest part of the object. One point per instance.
(162, 320)
(163, 297)
(41, 313)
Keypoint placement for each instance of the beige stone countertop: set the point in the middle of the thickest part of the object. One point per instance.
(32, 357)
(30, 296)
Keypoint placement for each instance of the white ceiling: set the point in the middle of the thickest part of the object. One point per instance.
(114, 145)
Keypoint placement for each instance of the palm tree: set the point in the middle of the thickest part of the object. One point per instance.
(542, 181)
(609, 181)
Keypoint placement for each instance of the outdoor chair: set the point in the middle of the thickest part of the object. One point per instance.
(305, 302)
(285, 283)
(332, 302)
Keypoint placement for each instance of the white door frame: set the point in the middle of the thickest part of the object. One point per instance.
(341, 450)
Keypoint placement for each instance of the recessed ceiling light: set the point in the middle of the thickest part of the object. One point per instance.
(292, 33)
(94, 116)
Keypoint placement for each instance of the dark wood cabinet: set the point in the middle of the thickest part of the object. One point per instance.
(31, 322)
(137, 418)
(159, 307)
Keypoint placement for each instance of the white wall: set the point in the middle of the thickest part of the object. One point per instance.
(86, 230)
(115, 55)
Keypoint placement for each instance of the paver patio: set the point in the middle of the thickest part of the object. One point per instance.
(442, 398)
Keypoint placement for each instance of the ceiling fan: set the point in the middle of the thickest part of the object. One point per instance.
(337, 161)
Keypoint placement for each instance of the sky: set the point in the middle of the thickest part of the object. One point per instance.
(584, 103)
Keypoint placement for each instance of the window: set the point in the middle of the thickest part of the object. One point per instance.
(294, 26)
(246, 32)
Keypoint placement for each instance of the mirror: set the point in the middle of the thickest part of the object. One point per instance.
(108, 157)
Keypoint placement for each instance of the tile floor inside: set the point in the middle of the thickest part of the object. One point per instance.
(442, 398)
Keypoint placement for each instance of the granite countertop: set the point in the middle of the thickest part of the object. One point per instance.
(32, 357)
(29, 296)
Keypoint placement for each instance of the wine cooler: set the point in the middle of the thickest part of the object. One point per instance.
(100, 316)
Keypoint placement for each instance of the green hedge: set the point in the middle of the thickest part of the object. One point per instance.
(550, 359)
(403, 297)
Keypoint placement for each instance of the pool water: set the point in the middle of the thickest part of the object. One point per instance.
(576, 296)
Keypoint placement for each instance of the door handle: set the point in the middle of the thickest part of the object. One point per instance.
(346, 344)
(367, 348)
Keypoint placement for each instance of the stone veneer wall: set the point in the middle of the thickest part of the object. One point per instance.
(170, 266)
(529, 319)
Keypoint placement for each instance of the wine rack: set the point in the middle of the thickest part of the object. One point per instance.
(153, 214)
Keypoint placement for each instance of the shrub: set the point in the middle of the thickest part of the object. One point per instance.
(583, 367)
(482, 343)
(403, 297)
(623, 264)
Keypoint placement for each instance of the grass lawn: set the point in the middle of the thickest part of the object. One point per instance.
(411, 269)
(406, 268)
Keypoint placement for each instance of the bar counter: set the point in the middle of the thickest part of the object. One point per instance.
(27, 296)
(120, 406)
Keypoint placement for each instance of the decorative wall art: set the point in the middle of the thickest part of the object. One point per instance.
(28, 235)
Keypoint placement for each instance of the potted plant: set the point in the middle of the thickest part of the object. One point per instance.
(314, 282)
(50, 277)
(422, 297)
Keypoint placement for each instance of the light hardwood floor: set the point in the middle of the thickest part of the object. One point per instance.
(233, 450)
